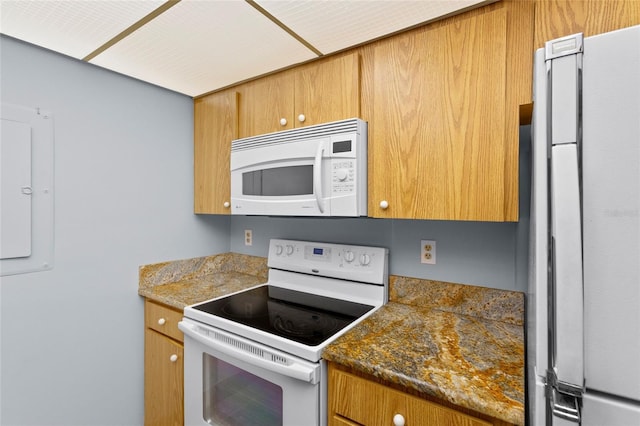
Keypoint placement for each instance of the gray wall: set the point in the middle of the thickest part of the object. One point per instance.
(467, 252)
(72, 338)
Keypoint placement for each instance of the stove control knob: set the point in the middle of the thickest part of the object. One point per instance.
(289, 249)
(349, 256)
(365, 259)
(278, 250)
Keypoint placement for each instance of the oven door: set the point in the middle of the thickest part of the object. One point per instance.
(229, 380)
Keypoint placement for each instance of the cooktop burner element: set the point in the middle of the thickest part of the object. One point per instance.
(303, 317)
(304, 324)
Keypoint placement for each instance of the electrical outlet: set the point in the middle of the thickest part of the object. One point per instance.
(248, 237)
(428, 252)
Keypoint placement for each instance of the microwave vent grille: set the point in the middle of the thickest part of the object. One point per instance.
(294, 135)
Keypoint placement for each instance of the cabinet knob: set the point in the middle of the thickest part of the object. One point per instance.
(226, 204)
(174, 358)
(384, 204)
(398, 420)
(283, 121)
(162, 321)
(301, 118)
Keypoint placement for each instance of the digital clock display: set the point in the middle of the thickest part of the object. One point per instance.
(341, 146)
(318, 254)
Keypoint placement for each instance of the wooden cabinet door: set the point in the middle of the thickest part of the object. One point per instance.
(163, 380)
(215, 126)
(323, 91)
(558, 18)
(266, 101)
(354, 400)
(328, 90)
(435, 102)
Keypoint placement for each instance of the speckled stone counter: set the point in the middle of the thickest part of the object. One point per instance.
(183, 282)
(461, 344)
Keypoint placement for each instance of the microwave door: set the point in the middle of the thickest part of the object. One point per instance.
(285, 179)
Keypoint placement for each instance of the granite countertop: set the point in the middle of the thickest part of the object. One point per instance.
(461, 344)
(457, 343)
(185, 282)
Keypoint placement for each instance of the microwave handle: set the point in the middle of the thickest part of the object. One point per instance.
(317, 178)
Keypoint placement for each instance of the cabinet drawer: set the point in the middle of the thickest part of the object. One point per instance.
(354, 399)
(163, 319)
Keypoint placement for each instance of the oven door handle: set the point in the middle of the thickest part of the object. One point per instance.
(246, 352)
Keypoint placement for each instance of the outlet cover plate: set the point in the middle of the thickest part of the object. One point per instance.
(428, 252)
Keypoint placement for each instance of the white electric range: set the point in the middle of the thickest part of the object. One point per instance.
(255, 357)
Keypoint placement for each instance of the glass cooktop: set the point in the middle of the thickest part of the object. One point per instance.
(302, 317)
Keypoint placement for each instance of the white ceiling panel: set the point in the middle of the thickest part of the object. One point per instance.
(72, 27)
(332, 25)
(199, 46)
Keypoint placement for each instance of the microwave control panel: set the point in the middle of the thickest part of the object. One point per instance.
(343, 175)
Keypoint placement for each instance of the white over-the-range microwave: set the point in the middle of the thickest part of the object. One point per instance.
(317, 170)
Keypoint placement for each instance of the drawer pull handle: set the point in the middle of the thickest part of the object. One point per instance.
(398, 420)
(283, 121)
(162, 321)
(384, 204)
(174, 358)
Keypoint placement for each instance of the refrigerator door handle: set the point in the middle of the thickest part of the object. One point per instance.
(565, 204)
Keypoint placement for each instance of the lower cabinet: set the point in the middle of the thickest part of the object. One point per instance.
(356, 401)
(163, 366)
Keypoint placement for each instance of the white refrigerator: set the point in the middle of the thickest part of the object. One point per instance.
(583, 302)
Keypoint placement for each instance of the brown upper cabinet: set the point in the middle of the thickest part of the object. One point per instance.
(442, 103)
(559, 18)
(319, 92)
(323, 91)
(215, 126)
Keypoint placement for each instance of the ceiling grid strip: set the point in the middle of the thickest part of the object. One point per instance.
(130, 30)
(288, 30)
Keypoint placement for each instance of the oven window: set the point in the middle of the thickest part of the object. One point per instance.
(279, 181)
(234, 397)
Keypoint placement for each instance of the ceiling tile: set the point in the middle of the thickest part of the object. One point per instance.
(332, 25)
(72, 27)
(199, 46)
